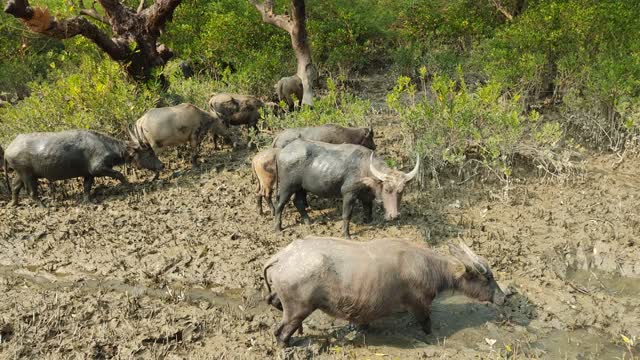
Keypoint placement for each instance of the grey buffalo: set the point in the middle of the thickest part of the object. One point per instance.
(348, 171)
(174, 125)
(364, 281)
(71, 154)
(329, 133)
(263, 163)
(289, 89)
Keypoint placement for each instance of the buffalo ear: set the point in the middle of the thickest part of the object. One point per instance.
(457, 268)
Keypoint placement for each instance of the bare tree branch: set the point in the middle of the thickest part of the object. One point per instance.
(93, 12)
(39, 20)
(159, 13)
(127, 25)
(502, 10)
(140, 7)
(266, 10)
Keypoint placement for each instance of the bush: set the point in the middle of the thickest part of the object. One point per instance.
(450, 124)
(337, 106)
(96, 95)
(581, 52)
(441, 34)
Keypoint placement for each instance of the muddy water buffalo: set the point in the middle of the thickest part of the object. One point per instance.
(236, 110)
(329, 133)
(290, 90)
(174, 125)
(264, 162)
(70, 154)
(364, 281)
(264, 169)
(345, 170)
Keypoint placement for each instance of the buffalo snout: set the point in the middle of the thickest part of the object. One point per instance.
(498, 296)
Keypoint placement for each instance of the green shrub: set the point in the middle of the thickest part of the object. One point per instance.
(95, 95)
(441, 33)
(450, 124)
(337, 106)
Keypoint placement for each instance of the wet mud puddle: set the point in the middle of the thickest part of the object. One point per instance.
(457, 321)
(233, 298)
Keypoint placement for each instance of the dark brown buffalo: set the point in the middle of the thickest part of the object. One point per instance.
(236, 110)
(364, 281)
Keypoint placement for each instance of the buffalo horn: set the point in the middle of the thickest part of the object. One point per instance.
(413, 172)
(376, 173)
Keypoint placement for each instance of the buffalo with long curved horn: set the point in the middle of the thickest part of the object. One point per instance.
(348, 171)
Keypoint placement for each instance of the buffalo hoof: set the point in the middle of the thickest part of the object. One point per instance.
(283, 344)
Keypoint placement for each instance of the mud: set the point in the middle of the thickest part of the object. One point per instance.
(173, 268)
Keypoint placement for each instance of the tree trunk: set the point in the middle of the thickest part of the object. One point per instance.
(141, 26)
(303, 51)
(295, 25)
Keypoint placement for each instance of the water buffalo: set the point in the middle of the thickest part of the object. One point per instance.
(264, 162)
(290, 90)
(364, 281)
(6, 178)
(330, 170)
(174, 125)
(264, 169)
(70, 154)
(236, 110)
(329, 133)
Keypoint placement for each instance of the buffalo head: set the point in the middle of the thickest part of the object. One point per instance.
(367, 139)
(388, 186)
(140, 153)
(473, 275)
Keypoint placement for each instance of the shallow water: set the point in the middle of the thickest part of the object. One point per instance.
(613, 285)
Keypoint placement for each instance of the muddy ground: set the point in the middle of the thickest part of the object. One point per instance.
(172, 269)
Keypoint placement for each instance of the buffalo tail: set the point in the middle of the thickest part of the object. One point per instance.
(5, 167)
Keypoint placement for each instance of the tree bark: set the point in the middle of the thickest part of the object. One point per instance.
(142, 26)
(295, 25)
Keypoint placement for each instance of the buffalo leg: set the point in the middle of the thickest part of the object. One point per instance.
(195, 149)
(367, 207)
(282, 201)
(270, 203)
(88, 183)
(298, 201)
(114, 174)
(291, 321)
(15, 189)
(259, 203)
(348, 201)
(215, 142)
(422, 314)
(32, 185)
